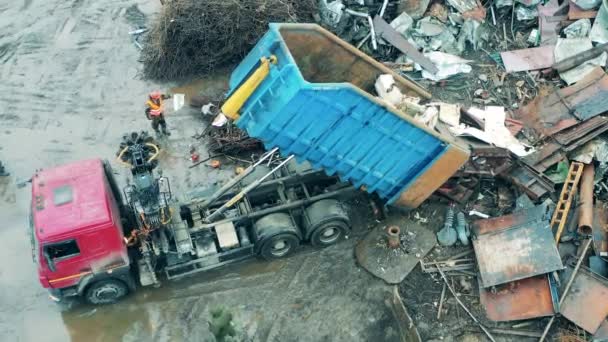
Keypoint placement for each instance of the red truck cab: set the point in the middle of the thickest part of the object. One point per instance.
(77, 235)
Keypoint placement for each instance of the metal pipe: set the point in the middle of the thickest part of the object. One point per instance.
(383, 9)
(392, 235)
(243, 192)
(579, 58)
(565, 293)
(370, 21)
(237, 179)
(585, 217)
(445, 279)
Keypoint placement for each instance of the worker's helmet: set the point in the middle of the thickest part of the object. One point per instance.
(155, 95)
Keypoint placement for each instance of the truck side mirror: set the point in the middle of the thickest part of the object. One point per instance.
(49, 261)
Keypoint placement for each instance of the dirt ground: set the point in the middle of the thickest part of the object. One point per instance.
(70, 90)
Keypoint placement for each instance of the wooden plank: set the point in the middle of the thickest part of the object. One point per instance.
(388, 33)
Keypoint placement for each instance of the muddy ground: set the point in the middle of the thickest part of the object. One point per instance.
(70, 89)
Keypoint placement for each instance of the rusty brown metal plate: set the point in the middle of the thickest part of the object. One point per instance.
(586, 304)
(516, 246)
(528, 59)
(600, 228)
(521, 299)
(566, 107)
(575, 12)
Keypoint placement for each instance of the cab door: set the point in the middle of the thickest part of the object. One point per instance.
(65, 262)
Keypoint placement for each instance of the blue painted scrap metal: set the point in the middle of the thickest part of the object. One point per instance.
(316, 104)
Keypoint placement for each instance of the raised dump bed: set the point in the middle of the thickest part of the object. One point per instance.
(316, 103)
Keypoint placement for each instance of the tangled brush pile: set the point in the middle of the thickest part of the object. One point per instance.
(192, 37)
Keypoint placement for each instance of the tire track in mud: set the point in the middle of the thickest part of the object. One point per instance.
(68, 47)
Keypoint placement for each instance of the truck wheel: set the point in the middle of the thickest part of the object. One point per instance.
(326, 221)
(276, 235)
(328, 233)
(279, 246)
(106, 291)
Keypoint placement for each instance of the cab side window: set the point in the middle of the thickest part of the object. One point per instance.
(62, 250)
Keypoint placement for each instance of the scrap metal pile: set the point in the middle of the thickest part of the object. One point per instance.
(523, 84)
(190, 38)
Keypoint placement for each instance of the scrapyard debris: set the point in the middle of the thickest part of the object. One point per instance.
(191, 38)
(528, 59)
(578, 29)
(599, 31)
(231, 140)
(447, 65)
(568, 47)
(447, 236)
(388, 33)
(394, 264)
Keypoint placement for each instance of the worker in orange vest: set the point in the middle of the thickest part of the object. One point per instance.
(155, 111)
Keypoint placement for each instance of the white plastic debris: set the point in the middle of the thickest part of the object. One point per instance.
(494, 132)
(534, 37)
(178, 101)
(207, 109)
(477, 213)
(388, 90)
(447, 64)
(599, 31)
(526, 13)
(331, 13)
(449, 113)
(429, 27)
(578, 29)
(567, 47)
(587, 4)
(402, 23)
(220, 120)
(429, 117)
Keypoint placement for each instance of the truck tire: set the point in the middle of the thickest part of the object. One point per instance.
(326, 222)
(106, 291)
(277, 236)
(279, 246)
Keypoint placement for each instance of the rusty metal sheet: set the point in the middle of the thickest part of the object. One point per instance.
(511, 250)
(534, 183)
(586, 304)
(580, 134)
(600, 228)
(566, 107)
(575, 12)
(487, 161)
(521, 299)
(528, 59)
(546, 156)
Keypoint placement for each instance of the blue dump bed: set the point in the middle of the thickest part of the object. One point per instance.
(316, 104)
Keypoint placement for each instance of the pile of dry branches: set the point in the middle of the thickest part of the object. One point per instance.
(231, 140)
(192, 37)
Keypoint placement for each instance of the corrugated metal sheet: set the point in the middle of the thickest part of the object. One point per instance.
(316, 104)
(566, 107)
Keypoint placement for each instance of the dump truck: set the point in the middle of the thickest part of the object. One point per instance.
(309, 93)
(92, 240)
